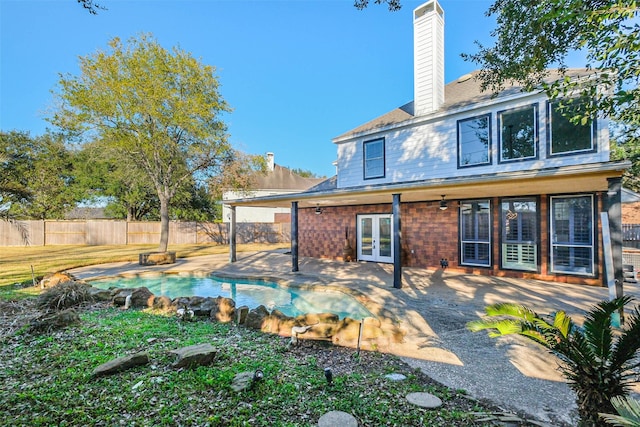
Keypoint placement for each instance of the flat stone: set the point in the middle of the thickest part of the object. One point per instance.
(194, 355)
(395, 377)
(337, 418)
(121, 364)
(424, 400)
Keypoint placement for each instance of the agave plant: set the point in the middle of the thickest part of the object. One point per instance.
(628, 412)
(597, 361)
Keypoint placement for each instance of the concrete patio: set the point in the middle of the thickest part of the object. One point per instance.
(432, 309)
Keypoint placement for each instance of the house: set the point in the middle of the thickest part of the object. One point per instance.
(277, 180)
(496, 185)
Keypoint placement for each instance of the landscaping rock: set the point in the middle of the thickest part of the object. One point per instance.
(241, 314)
(100, 294)
(224, 310)
(194, 355)
(245, 380)
(424, 400)
(140, 297)
(337, 418)
(121, 363)
(54, 279)
(257, 317)
(156, 258)
(163, 303)
(313, 318)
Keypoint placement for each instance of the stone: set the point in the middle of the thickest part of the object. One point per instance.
(194, 355)
(313, 318)
(100, 294)
(337, 418)
(55, 279)
(139, 297)
(202, 307)
(241, 314)
(224, 310)
(245, 380)
(424, 400)
(121, 364)
(395, 377)
(163, 303)
(156, 258)
(256, 317)
(278, 323)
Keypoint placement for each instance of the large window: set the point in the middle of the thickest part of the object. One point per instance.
(572, 234)
(475, 232)
(565, 136)
(518, 133)
(519, 219)
(474, 141)
(374, 159)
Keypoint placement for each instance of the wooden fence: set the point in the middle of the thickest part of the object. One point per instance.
(109, 232)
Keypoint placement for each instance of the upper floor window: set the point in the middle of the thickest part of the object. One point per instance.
(518, 133)
(374, 159)
(474, 141)
(565, 136)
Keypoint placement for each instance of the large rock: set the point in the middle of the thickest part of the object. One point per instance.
(157, 258)
(279, 323)
(55, 279)
(224, 310)
(203, 307)
(163, 303)
(98, 294)
(140, 297)
(241, 314)
(314, 318)
(194, 355)
(121, 364)
(256, 317)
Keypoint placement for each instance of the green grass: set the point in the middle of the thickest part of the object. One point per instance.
(16, 262)
(46, 379)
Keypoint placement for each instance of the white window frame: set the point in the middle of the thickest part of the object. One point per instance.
(366, 160)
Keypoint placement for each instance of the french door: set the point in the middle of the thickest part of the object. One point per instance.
(375, 238)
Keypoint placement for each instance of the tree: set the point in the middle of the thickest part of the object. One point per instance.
(533, 36)
(91, 6)
(393, 5)
(598, 362)
(38, 178)
(158, 109)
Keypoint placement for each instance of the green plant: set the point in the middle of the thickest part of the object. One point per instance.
(596, 360)
(628, 412)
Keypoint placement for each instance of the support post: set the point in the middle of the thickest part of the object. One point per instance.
(397, 243)
(232, 234)
(294, 236)
(613, 207)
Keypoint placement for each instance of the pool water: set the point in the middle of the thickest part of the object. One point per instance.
(290, 301)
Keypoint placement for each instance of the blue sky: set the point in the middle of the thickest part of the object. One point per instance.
(296, 72)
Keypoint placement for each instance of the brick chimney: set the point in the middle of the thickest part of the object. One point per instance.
(428, 58)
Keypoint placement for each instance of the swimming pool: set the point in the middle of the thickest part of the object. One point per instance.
(252, 293)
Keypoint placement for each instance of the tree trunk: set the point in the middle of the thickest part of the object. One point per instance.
(164, 223)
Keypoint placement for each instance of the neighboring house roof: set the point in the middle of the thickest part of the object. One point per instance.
(281, 178)
(463, 92)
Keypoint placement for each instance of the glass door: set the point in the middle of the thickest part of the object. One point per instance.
(375, 238)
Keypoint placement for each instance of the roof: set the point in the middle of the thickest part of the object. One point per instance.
(281, 178)
(463, 92)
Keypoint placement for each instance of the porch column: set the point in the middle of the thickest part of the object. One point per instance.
(397, 243)
(294, 236)
(232, 234)
(613, 206)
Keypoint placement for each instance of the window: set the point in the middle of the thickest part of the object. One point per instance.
(519, 234)
(474, 141)
(518, 133)
(374, 159)
(567, 137)
(475, 232)
(572, 234)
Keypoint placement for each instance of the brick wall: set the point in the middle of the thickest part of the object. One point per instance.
(428, 235)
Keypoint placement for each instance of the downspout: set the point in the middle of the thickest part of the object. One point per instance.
(232, 234)
(294, 236)
(397, 243)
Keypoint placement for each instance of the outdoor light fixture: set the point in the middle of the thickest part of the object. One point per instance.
(328, 375)
(443, 203)
(318, 210)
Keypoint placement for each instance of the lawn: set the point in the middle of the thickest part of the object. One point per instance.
(45, 375)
